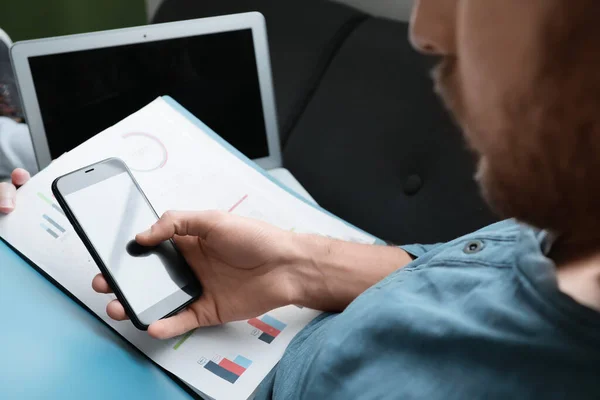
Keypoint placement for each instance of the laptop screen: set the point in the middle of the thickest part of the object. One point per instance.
(213, 76)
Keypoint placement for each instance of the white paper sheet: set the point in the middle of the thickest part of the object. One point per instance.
(179, 167)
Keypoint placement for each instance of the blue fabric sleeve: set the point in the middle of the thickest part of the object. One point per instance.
(285, 378)
(418, 250)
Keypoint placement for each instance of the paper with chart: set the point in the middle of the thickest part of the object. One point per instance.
(181, 167)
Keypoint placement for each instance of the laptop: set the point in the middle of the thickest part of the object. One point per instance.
(218, 68)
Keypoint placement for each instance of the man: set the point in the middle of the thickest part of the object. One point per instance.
(508, 312)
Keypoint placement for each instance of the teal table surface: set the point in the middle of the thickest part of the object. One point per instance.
(51, 348)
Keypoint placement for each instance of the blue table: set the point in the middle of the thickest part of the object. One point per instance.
(52, 348)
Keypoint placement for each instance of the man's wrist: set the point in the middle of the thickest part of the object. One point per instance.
(328, 274)
(297, 269)
(305, 275)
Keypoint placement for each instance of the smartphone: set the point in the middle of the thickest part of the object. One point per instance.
(107, 208)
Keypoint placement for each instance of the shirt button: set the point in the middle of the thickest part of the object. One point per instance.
(473, 247)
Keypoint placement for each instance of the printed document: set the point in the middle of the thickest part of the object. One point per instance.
(180, 166)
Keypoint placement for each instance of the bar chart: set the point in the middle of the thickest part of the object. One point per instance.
(49, 224)
(51, 203)
(225, 368)
(267, 328)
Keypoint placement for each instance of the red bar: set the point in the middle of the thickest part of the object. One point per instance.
(238, 203)
(232, 367)
(266, 328)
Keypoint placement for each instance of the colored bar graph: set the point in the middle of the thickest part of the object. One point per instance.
(57, 208)
(229, 370)
(50, 231)
(50, 202)
(270, 327)
(265, 337)
(221, 372)
(243, 361)
(267, 319)
(232, 367)
(266, 328)
(54, 223)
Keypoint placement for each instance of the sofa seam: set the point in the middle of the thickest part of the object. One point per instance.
(325, 60)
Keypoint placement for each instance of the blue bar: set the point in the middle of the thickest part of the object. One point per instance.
(267, 319)
(221, 372)
(54, 223)
(243, 362)
(50, 231)
(265, 337)
(57, 208)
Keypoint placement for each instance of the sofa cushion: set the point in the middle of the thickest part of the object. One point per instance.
(376, 147)
(303, 37)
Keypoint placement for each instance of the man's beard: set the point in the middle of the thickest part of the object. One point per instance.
(533, 163)
(501, 181)
(445, 79)
(447, 86)
(494, 174)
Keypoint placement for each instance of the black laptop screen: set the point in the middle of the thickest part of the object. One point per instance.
(214, 76)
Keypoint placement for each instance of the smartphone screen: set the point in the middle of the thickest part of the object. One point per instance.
(110, 209)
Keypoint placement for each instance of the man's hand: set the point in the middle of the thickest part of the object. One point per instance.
(243, 265)
(8, 191)
(248, 267)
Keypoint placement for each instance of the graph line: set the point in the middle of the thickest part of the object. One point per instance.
(183, 339)
(236, 205)
(46, 199)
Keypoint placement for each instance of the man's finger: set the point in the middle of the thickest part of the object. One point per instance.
(115, 310)
(20, 177)
(100, 285)
(181, 223)
(8, 194)
(173, 326)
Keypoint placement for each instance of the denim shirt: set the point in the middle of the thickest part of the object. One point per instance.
(480, 317)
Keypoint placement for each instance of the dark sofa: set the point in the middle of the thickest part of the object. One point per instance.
(360, 125)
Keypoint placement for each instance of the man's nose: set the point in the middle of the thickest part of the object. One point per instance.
(432, 27)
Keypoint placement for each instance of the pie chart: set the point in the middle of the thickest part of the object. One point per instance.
(144, 152)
